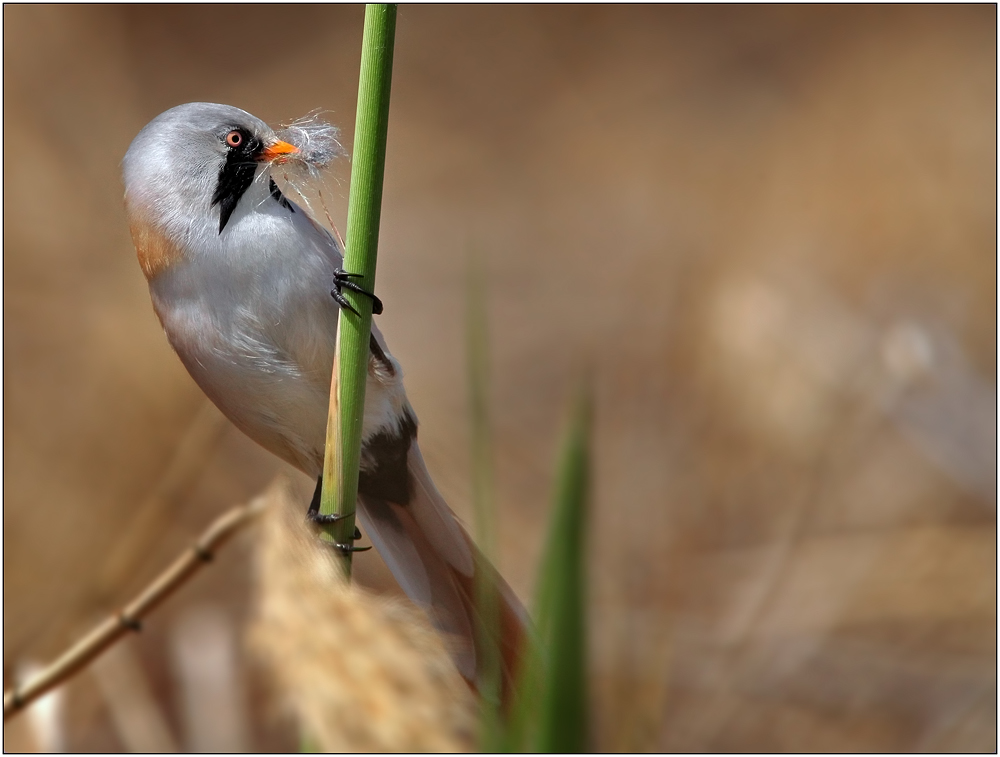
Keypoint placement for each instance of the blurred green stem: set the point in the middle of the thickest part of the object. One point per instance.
(551, 709)
(560, 607)
(487, 601)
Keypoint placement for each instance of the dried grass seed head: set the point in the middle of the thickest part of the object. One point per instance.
(359, 672)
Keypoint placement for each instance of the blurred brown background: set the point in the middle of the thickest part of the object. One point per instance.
(769, 231)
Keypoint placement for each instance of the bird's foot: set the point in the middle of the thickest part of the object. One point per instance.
(316, 517)
(342, 280)
(346, 549)
(323, 520)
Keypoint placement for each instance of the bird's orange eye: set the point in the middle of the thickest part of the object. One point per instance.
(234, 139)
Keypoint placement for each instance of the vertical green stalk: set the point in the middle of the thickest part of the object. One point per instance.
(487, 601)
(550, 714)
(560, 607)
(347, 392)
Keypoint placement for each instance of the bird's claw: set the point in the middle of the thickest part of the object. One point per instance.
(323, 520)
(319, 519)
(346, 549)
(342, 280)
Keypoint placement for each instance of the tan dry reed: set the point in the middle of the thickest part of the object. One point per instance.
(359, 672)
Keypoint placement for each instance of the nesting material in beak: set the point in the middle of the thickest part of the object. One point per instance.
(315, 141)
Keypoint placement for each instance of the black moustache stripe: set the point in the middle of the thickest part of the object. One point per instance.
(235, 178)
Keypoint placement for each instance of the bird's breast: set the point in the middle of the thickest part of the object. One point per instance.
(250, 314)
(156, 252)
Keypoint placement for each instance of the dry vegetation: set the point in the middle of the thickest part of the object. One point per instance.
(772, 232)
(361, 674)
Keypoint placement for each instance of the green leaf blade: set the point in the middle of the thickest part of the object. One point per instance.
(561, 601)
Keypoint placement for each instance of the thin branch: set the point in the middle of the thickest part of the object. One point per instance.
(129, 618)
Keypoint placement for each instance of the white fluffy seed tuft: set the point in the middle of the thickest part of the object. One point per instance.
(316, 139)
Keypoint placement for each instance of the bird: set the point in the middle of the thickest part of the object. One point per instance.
(247, 287)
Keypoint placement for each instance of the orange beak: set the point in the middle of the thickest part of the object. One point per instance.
(278, 149)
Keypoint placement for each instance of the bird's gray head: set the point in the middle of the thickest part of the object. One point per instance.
(195, 157)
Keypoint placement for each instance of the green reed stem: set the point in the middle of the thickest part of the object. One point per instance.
(347, 393)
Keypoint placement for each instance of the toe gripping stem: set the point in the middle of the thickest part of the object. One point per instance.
(341, 281)
(314, 516)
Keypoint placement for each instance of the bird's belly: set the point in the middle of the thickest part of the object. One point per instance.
(268, 368)
(273, 384)
(284, 414)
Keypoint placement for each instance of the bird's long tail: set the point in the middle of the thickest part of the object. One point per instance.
(436, 563)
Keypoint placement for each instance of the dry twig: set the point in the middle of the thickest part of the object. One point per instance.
(128, 619)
